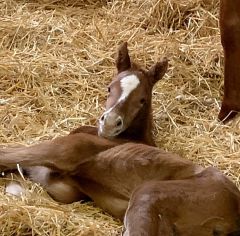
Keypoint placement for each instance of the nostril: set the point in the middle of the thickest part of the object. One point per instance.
(102, 118)
(119, 123)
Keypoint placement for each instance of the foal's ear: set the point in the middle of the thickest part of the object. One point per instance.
(157, 71)
(123, 60)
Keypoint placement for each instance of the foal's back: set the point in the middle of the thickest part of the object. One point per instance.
(190, 198)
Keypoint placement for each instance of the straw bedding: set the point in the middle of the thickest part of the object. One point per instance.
(56, 59)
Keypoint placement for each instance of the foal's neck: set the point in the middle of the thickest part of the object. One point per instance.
(139, 131)
(141, 128)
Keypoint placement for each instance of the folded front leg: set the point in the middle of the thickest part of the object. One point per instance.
(85, 129)
(65, 153)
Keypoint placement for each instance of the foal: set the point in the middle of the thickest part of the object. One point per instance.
(127, 117)
(155, 192)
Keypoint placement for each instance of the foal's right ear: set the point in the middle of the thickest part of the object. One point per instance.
(157, 71)
(123, 60)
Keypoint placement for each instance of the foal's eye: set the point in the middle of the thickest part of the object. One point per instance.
(142, 101)
(109, 89)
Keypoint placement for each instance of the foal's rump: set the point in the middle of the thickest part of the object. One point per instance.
(202, 206)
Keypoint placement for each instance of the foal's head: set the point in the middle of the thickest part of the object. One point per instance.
(129, 101)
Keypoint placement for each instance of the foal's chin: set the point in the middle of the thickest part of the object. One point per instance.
(110, 134)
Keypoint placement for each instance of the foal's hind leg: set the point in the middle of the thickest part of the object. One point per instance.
(230, 36)
(200, 206)
(64, 153)
(143, 217)
(61, 188)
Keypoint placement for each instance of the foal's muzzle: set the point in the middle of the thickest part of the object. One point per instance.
(110, 125)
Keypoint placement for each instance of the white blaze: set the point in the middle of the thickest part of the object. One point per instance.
(128, 84)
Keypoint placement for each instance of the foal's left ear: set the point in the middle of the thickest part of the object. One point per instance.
(123, 60)
(157, 71)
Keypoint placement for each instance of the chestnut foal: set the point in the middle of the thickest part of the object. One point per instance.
(155, 192)
(129, 102)
(230, 36)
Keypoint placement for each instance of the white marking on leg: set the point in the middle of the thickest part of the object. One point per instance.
(39, 174)
(128, 84)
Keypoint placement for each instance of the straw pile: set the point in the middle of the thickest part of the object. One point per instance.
(56, 59)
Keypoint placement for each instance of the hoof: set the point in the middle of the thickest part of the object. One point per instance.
(226, 114)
